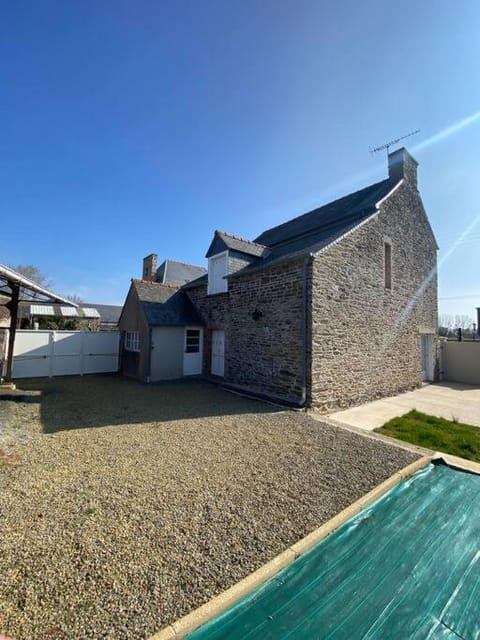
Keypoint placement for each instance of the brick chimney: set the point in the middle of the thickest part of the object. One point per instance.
(402, 165)
(150, 267)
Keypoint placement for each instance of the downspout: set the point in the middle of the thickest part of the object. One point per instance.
(306, 263)
(148, 367)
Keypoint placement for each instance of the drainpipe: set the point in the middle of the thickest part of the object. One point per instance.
(306, 263)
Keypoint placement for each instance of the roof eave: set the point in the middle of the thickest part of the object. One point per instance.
(10, 275)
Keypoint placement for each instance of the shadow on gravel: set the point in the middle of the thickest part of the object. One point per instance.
(97, 401)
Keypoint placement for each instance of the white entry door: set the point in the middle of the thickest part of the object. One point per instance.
(192, 353)
(218, 353)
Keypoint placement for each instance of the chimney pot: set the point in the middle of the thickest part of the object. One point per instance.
(401, 165)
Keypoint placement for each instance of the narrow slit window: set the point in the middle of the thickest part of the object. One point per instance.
(388, 265)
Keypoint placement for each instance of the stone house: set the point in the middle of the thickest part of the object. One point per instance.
(334, 307)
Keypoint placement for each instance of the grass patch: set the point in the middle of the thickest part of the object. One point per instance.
(435, 433)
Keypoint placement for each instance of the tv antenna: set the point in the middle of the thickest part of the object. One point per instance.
(387, 145)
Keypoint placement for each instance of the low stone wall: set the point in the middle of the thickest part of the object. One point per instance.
(460, 362)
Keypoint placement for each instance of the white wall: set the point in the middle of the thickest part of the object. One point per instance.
(460, 361)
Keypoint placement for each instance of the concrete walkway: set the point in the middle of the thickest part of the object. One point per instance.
(445, 400)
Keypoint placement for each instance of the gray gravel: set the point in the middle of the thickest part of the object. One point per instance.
(180, 491)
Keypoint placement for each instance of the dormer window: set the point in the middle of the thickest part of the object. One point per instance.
(217, 270)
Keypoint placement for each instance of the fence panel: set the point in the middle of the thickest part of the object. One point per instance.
(60, 353)
(461, 361)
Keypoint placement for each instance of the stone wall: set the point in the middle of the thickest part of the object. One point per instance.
(264, 354)
(3, 349)
(366, 338)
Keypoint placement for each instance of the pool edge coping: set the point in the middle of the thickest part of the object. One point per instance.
(218, 604)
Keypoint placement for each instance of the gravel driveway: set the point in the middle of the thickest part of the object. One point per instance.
(140, 503)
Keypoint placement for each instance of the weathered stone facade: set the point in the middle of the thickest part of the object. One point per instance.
(325, 330)
(365, 337)
(263, 319)
(332, 328)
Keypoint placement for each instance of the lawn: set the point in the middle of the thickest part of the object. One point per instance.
(435, 433)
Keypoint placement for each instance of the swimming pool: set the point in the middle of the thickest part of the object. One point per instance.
(408, 566)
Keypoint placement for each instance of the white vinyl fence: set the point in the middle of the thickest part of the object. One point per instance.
(460, 361)
(63, 353)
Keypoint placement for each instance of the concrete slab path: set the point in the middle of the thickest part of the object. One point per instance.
(445, 400)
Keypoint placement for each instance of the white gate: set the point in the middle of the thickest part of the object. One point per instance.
(63, 353)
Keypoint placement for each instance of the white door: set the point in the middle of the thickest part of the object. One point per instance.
(218, 352)
(426, 352)
(192, 353)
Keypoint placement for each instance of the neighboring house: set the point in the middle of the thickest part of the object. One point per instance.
(334, 307)
(170, 271)
(109, 314)
(87, 316)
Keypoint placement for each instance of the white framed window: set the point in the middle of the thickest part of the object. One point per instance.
(192, 341)
(217, 270)
(132, 341)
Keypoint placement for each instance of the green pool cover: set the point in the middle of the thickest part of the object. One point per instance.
(406, 567)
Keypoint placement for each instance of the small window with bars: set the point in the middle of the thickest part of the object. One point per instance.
(132, 341)
(192, 341)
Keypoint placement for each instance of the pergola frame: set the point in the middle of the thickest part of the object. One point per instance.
(17, 282)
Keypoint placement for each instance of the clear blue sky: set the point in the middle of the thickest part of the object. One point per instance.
(142, 126)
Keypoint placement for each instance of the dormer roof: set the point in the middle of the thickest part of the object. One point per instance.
(223, 241)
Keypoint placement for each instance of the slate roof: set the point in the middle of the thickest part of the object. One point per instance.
(203, 280)
(305, 234)
(165, 304)
(109, 313)
(174, 272)
(353, 206)
(317, 229)
(235, 243)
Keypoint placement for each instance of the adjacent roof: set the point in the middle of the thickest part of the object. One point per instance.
(174, 272)
(222, 241)
(165, 304)
(203, 280)
(9, 275)
(38, 308)
(109, 313)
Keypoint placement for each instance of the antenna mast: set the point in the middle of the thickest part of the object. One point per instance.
(387, 145)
